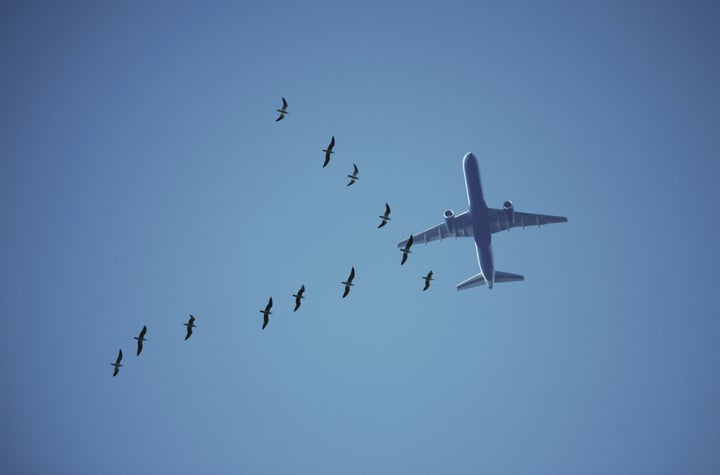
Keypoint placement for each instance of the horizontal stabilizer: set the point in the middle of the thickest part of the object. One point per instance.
(478, 279)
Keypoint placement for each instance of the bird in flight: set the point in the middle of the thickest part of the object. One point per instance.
(328, 151)
(349, 283)
(298, 296)
(406, 250)
(266, 313)
(117, 364)
(353, 177)
(140, 339)
(190, 325)
(283, 112)
(386, 217)
(428, 278)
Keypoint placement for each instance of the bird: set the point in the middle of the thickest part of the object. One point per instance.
(349, 283)
(190, 325)
(353, 177)
(299, 296)
(283, 112)
(140, 339)
(406, 250)
(386, 217)
(117, 364)
(328, 151)
(266, 313)
(428, 278)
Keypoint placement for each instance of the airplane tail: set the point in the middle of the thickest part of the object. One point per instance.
(478, 279)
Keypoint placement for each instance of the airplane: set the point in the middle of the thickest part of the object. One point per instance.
(480, 222)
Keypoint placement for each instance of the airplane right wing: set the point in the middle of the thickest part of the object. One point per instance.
(499, 220)
(462, 227)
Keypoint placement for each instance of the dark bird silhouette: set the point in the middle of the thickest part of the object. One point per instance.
(328, 151)
(349, 283)
(283, 112)
(117, 364)
(386, 217)
(298, 296)
(140, 339)
(266, 313)
(406, 250)
(353, 177)
(428, 278)
(190, 325)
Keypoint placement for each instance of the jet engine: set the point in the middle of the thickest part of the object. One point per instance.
(509, 211)
(449, 220)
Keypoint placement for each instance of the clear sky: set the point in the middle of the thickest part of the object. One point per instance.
(143, 178)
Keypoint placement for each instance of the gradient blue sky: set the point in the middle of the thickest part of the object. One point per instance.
(143, 177)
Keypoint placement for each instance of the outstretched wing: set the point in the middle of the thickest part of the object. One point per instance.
(462, 227)
(119, 357)
(347, 291)
(352, 274)
(284, 104)
(142, 333)
(269, 305)
(499, 220)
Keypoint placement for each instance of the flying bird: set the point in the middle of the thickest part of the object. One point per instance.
(406, 250)
(266, 313)
(353, 177)
(428, 278)
(349, 283)
(299, 296)
(140, 339)
(190, 325)
(117, 364)
(386, 217)
(328, 151)
(283, 112)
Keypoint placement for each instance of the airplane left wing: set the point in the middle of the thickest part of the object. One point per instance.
(461, 227)
(499, 220)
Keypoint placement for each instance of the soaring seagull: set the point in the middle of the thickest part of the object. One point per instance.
(353, 177)
(386, 217)
(427, 278)
(299, 296)
(117, 364)
(190, 325)
(406, 250)
(266, 313)
(283, 112)
(349, 283)
(328, 151)
(140, 339)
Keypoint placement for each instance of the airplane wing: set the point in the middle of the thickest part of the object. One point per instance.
(462, 228)
(499, 220)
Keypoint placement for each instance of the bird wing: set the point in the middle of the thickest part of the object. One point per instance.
(327, 159)
(191, 321)
(387, 210)
(302, 289)
(117, 370)
(269, 305)
(409, 243)
(352, 274)
(282, 116)
(142, 332)
(356, 169)
(284, 104)
(119, 358)
(383, 223)
(266, 319)
(189, 332)
(332, 143)
(347, 291)
(139, 347)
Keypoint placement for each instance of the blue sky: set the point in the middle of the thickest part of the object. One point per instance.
(143, 178)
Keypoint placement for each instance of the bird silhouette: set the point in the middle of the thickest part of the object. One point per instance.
(298, 296)
(328, 151)
(386, 217)
(266, 313)
(406, 250)
(283, 112)
(349, 283)
(428, 278)
(140, 339)
(353, 177)
(117, 364)
(190, 325)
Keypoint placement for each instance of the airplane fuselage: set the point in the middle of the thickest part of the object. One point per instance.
(479, 217)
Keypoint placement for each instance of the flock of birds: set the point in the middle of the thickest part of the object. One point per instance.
(348, 283)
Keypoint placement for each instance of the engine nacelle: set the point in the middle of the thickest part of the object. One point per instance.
(509, 211)
(449, 220)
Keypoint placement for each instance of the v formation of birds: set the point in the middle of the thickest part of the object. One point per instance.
(384, 218)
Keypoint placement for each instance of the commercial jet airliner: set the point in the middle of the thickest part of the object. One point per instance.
(481, 222)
